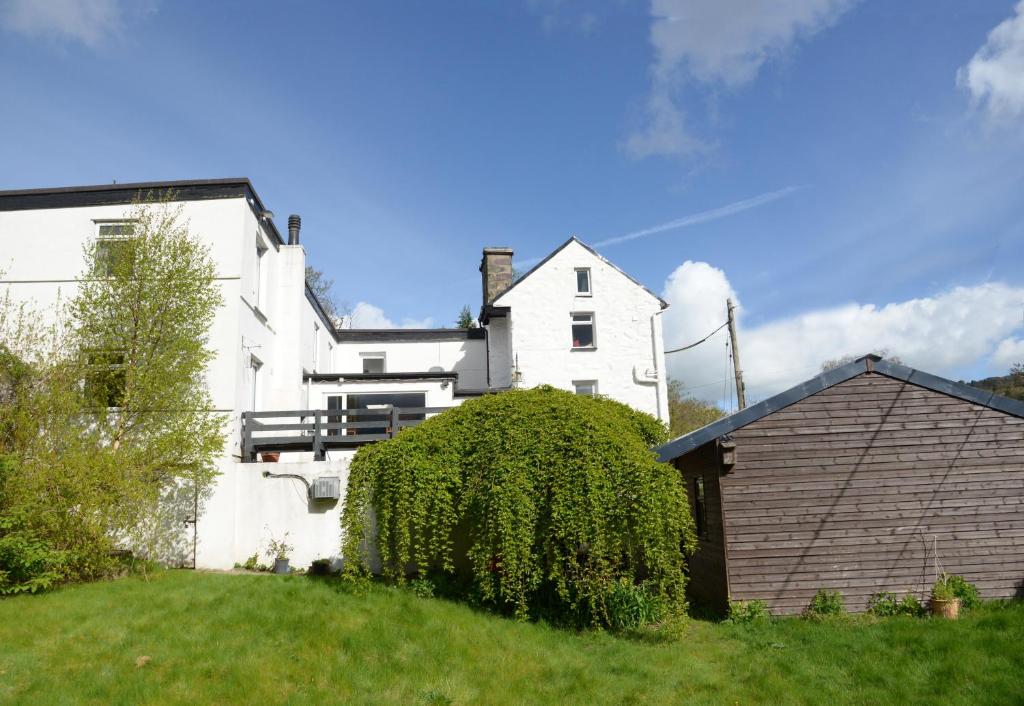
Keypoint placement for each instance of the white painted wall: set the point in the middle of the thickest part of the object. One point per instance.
(628, 361)
(467, 357)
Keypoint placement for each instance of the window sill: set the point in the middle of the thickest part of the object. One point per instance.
(583, 348)
(588, 295)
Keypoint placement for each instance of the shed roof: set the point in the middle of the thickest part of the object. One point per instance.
(870, 363)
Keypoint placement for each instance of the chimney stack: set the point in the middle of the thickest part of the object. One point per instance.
(496, 272)
(294, 223)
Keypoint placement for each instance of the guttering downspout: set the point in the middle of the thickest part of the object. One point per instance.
(657, 370)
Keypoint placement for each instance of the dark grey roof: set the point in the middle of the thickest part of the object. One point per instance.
(110, 194)
(408, 334)
(869, 363)
(574, 239)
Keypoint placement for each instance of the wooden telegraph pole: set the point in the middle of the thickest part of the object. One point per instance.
(741, 396)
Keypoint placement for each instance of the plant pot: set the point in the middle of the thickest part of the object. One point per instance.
(270, 456)
(281, 566)
(948, 608)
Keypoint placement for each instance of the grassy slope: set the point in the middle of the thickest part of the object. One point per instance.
(266, 639)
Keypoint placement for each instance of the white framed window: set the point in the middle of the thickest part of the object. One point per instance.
(583, 282)
(585, 387)
(111, 245)
(261, 251)
(373, 362)
(255, 365)
(316, 345)
(583, 334)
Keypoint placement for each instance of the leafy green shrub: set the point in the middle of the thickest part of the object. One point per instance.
(422, 587)
(542, 498)
(825, 604)
(942, 591)
(886, 604)
(27, 563)
(630, 606)
(964, 590)
(747, 611)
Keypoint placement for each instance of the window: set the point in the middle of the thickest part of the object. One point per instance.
(585, 387)
(316, 345)
(261, 250)
(583, 281)
(583, 331)
(106, 378)
(700, 514)
(373, 362)
(111, 246)
(255, 364)
(376, 408)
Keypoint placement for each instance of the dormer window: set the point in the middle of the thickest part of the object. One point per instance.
(583, 281)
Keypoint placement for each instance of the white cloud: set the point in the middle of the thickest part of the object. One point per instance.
(995, 74)
(87, 21)
(1009, 352)
(716, 42)
(365, 315)
(942, 334)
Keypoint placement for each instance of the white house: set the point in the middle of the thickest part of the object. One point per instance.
(574, 321)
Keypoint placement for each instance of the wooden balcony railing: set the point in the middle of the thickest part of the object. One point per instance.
(319, 430)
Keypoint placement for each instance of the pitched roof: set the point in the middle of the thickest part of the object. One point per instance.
(560, 248)
(869, 363)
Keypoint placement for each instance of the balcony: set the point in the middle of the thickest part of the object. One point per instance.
(320, 430)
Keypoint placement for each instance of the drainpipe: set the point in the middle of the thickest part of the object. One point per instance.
(658, 371)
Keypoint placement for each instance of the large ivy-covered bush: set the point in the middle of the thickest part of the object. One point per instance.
(542, 502)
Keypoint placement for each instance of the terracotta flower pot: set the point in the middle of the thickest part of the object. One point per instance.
(270, 456)
(948, 608)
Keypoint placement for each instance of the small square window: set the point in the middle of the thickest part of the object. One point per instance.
(583, 331)
(585, 387)
(583, 281)
(373, 363)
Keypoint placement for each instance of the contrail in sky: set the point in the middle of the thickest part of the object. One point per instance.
(703, 217)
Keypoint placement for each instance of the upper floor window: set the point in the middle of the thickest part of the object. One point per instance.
(112, 246)
(583, 331)
(261, 250)
(373, 362)
(583, 281)
(106, 378)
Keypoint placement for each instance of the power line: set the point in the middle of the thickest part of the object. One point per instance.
(692, 345)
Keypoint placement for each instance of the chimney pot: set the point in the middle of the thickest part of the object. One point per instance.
(294, 224)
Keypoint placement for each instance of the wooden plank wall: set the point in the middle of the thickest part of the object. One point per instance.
(707, 570)
(858, 487)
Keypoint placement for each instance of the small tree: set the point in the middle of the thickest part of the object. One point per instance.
(323, 288)
(686, 412)
(839, 362)
(465, 319)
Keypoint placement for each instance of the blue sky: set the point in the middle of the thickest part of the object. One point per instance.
(855, 167)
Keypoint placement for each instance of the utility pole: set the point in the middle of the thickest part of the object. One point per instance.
(741, 397)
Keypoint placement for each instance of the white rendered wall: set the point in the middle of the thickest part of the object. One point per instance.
(466, 357)
(246, 510)
(627, 362)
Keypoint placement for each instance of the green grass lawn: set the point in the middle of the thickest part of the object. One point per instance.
(218, 638)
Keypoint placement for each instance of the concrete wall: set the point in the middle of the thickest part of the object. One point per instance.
(246, 510)
(628, 360)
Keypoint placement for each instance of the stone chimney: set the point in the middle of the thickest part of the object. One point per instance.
(495, 272)
(294, 224)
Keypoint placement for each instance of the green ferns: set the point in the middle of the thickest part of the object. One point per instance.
(539, 499)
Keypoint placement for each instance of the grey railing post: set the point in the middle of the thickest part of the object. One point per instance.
(248, 453)
(318, 440)
(394, 422)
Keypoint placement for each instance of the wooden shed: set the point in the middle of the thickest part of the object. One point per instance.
(869, 477)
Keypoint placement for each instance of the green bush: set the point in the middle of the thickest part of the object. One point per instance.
(630, 605)
(747, 611)
(27, 563)
(953, 586)
(886, 604)
(541, 500)
(825, 604)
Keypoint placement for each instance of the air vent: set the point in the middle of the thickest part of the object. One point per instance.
(326, 488)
